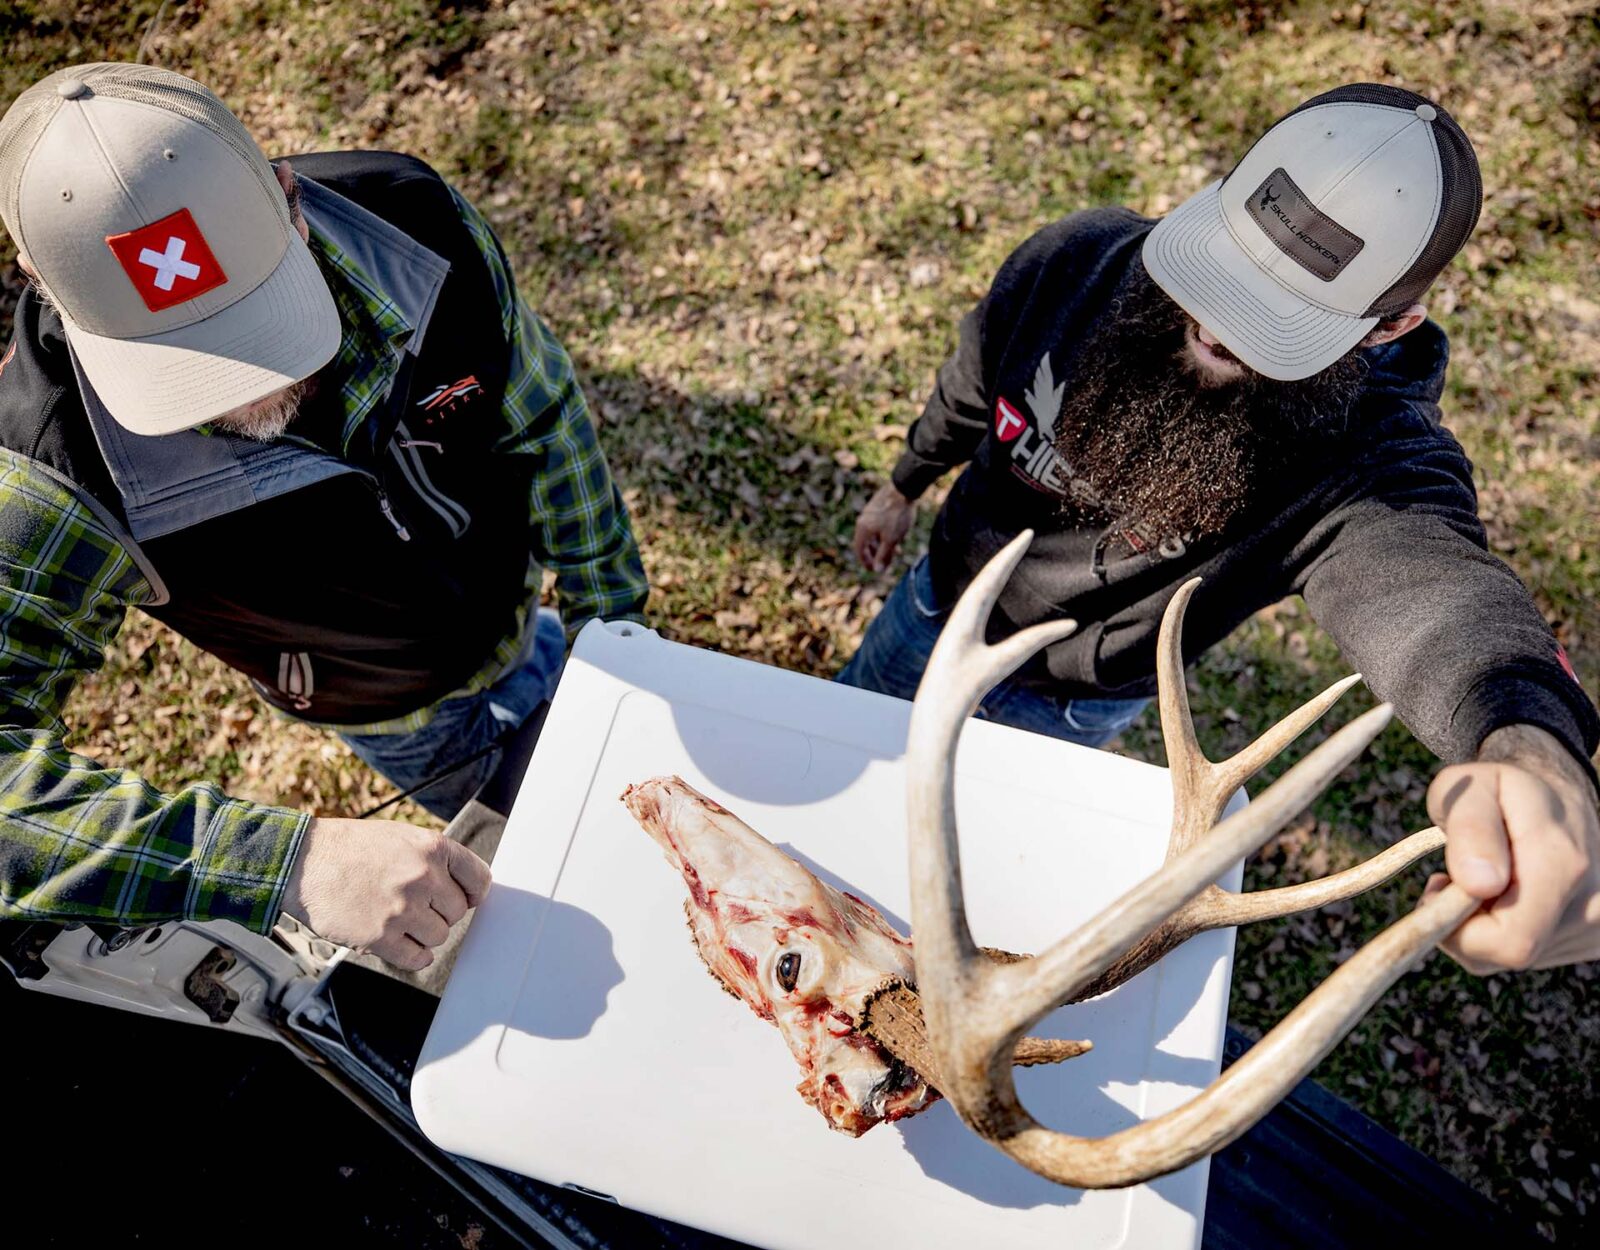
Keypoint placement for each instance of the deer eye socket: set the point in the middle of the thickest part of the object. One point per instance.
(788, 971)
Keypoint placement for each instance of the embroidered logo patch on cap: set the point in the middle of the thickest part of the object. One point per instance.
(167, 261)
(1302, 232)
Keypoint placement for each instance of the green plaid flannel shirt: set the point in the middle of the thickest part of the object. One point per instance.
(80, 841)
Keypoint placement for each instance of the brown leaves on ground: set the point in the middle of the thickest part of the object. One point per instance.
(756, 226)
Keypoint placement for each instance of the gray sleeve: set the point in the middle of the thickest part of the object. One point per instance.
(1402, 579)
(954, 420)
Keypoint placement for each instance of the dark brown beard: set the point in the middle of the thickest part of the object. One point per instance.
(1152, 446)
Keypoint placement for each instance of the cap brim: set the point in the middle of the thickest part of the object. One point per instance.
(1192, 256)
(284, 330)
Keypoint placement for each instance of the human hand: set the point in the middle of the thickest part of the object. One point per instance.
(383, 886)
(1522, 832)
(881, 525)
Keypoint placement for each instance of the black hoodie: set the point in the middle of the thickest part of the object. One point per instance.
(1383, 540)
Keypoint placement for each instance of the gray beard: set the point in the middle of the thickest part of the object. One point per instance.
(268, 421)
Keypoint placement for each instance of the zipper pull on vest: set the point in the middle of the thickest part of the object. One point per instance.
(388, 512)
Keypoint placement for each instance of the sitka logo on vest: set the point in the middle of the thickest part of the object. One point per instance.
(167, 261)
(449, 397)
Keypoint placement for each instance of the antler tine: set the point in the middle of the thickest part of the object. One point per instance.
(961, 670)
(1187, 764)
(1235, 909)
(1255, 1082)
(1201, 788)
(1215, 908)
(1029, 990)
(1237, 769)
(893, 1018)
(1200, 793)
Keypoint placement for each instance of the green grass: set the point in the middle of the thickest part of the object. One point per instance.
(756, 225)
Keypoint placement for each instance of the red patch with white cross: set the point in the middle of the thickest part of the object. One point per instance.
(1008, 422)
(1561, 658)
(167, 261)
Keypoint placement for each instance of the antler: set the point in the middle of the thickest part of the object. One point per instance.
(1200, 791)
(977, 1009)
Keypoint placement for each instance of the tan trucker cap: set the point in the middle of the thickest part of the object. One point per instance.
(159, 230)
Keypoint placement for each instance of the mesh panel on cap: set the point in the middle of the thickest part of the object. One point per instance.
(141, 84)
(1461, 192)
(20, 129)
(1461, 198)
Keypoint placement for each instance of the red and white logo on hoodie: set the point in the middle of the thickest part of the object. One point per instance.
(1008, 422)
(1032, 443)
(167, 261)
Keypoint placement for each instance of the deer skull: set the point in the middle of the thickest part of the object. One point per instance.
(802, 955)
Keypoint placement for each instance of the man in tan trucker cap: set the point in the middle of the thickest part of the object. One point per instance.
(301, 415)
(1247, 390)
(173, 324)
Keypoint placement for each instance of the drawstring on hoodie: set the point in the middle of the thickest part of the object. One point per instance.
(1097, 557)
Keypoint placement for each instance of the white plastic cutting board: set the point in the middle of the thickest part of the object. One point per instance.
(581, 1041)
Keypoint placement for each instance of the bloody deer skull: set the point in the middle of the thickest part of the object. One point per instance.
(802, 955)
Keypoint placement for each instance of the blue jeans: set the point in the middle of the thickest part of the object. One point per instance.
(461, 727)
(900, 639)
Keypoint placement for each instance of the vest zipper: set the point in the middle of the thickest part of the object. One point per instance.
(388, 511)
(412, 469)
(384, 504)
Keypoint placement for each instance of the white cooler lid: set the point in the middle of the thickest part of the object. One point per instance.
(581, 1041)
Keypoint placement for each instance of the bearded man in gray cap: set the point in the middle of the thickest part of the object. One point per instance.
(1247, 391)
(301, 415)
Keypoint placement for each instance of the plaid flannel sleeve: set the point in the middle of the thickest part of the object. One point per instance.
(79, 841)
(580, 528)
